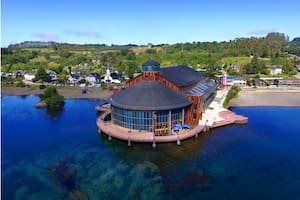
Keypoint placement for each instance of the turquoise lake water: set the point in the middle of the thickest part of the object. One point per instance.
(61, 156)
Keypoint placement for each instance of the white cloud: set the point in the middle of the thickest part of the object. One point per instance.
(47, 36)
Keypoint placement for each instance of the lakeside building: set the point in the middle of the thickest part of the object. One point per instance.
(274, 69)
(236, 80)
(29, 76)
(160, 98)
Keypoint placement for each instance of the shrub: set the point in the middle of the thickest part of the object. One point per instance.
(42, 86)
(20, 83)
(232, 93)
(50, 91)
(31, 87)
(55, 101)
(52, 99)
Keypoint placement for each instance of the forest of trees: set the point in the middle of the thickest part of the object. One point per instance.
(253, 53)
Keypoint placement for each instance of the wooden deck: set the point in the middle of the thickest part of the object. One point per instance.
(230, 118)
(121, 133)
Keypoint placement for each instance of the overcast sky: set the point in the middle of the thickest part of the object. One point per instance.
(145, 21)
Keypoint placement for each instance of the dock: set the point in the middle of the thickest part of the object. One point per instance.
(215, 116)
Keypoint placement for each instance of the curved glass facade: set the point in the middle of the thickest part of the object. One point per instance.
(139, 120)
(142, 120)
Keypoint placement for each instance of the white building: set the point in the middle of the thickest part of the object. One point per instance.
(92, 78)
(275, 69)
(29, 76)
(235, 80)
(108, 78)
(74, 78)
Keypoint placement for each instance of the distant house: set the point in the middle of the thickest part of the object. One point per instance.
(235, 68)
(52, 74)
(274, 69)
(259, 82)
(235, 80)
(3, 75)
(271, 80)
(289, 82)
(74, 78)
(29, 76)
(78, 71)
(298, 68)
(17, 74)
(92, 78)
(116, 76)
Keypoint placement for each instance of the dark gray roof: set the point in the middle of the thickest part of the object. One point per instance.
(150, 63)
(181, 75)
(149, 95)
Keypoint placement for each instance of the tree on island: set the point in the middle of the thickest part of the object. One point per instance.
(52, 99)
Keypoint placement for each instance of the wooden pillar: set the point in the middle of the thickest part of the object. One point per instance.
(153, 121)
(129, 142)
(109, 136)
(153, 143)
(182, 117)
(178, 140)
(111, 114)
(170, 121)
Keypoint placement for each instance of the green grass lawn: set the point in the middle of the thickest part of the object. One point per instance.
(241, 60)
(40, 59)
(41, 49)
(236, 60)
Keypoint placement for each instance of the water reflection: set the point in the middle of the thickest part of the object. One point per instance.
(55, 113)
(164, 155)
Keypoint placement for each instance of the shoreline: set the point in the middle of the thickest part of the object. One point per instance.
(258, 97)
(67, 92)
(266, 97)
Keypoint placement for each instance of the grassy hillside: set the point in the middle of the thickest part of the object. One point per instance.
(127, 59)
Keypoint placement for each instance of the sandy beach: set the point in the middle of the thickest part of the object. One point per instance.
(267, 97)
(67, 92)
(249, 97)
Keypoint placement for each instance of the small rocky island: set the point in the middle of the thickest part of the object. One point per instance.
(51, 99)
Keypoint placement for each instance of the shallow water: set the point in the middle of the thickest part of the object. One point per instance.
(260, 160)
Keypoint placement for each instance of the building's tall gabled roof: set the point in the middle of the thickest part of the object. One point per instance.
(149, 95)
(150, 63)
(180, 75)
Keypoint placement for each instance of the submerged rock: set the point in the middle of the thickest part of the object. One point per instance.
(78, 195)
(63, 174)
(21, 192)
(197, 180)
(41, 104)
(146, 182)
